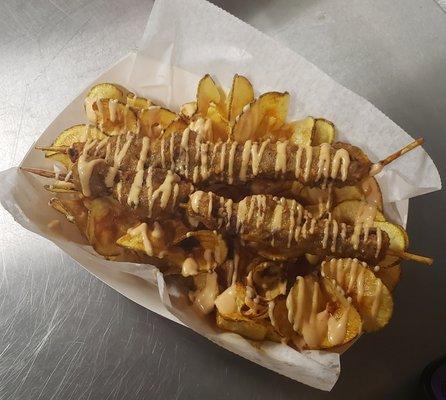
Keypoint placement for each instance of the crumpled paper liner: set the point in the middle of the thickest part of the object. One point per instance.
(182, 42)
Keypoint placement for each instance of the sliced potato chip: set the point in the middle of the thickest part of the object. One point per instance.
(248, 328)
(231, 300)
(208, 92)
(398, 241)
(322, 315)
(390, 276)
(138, 103)
(113, 117)
(303, 131)
(154, 120)
(369, 295)
(354, 321)
(261, 117)
(220, 126)
(107, 221)
(73, 210)
(177, 125)
(279, 318)
(347, 193)
(75, 134)
(324, 132)
(241, 94)
(98, 92)
(351, 211)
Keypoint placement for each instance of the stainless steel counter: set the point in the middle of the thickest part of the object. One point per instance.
(66, 335)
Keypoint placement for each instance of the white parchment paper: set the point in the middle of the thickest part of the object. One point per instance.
(182, 41)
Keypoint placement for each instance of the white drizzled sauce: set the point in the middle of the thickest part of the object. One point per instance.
(276, 223)
(100, 145)
(189, 267)
(271, 306)
(252, 203)
(171, 151)
(205, 297)
(378, 241)
(281, 157)
(257, 155)
(117, 159)
(164, 190)
(112, 107)
(375, 169)
(308, 159)
(142, 230)
(261, 209)
(210, 206)
(242, 210)
(341, 160)
(231, 162)
(222, 157)
(245, 160)
(195, 199)
(305, 317)
(135, 188)
(334, 235)
(163, 156)
(157, 232)
(326, 233)
(226, 302)
(377, 298)
(228, 207)
(323, 165)
(298, 159)
(195, 174)
(292, 222)
(204, 172)
(184, 146)
(85, 168)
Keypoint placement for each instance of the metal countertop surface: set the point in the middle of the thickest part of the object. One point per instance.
(66, 335)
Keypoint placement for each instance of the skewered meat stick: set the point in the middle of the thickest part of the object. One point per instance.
(151, 192)
(233, 163)
(284, 223)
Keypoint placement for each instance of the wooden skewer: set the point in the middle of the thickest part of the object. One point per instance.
(377, 167)
(56, 149)
(410, 256)
(45, 173)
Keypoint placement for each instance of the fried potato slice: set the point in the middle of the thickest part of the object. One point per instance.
(241, 94)
(74, 134)
(188, 110)
(155, 243)
(303, 131)
(279, 318)
(268, 279)
(372, 192)
(229, 316)
(154, 120)
(390, 276)
(321, 314)
(138, 103)
(208, 92)
(220, 125)
(346, 193)
(354, 321)
(324, 132)
(351, 211)
(73, 210)
(101, 91)
(177, 125)
(369, 295)
(261, 117)
(107, 221)
(113, 117)
(399, 241)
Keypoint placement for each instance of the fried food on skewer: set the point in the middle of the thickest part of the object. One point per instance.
(285, 224)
